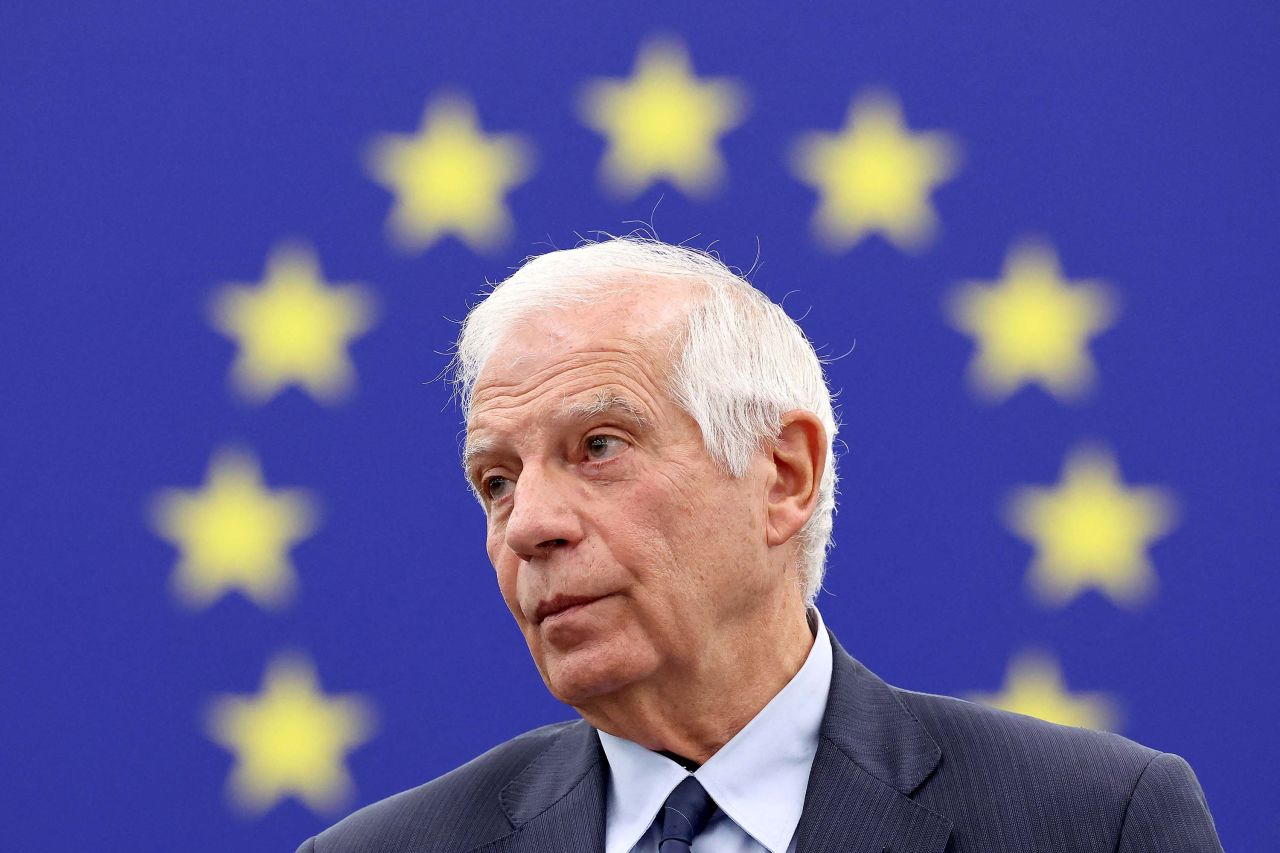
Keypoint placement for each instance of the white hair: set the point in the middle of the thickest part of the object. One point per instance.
(740, 361)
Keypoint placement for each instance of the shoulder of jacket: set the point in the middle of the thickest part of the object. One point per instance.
(466, 796)
(971, 731)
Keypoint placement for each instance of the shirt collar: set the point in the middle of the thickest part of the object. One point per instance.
(758, 779)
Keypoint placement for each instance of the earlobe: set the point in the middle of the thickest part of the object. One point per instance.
(798, 456)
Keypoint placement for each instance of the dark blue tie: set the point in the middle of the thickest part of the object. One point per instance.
(684, 814)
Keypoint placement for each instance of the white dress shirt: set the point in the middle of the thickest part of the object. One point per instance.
(758, 779)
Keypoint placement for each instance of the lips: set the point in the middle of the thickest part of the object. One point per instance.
(556, 604)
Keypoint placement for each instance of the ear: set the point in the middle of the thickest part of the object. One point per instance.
(798, 457)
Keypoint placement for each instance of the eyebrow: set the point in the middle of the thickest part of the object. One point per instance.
(604, 402)
(472, 449)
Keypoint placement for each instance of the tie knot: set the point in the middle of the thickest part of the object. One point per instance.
(684, 814)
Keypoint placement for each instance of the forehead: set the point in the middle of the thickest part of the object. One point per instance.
(550, 379)
(614, 349)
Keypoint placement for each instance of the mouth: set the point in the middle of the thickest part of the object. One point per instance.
(563, 605)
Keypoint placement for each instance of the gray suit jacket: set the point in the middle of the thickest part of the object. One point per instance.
(895, 771)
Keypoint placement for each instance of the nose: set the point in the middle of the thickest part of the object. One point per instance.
(543, 515)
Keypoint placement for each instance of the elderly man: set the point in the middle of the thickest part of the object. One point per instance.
(651, 440)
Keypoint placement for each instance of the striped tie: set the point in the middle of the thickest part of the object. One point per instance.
(684, 814)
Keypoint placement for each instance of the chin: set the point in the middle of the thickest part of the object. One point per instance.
(581, 674)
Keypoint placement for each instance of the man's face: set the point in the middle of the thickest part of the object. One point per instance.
(598, 487)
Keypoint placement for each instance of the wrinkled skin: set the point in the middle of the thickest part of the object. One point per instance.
(703, 619)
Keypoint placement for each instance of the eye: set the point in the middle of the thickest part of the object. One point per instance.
(495, 487)
(601, 447)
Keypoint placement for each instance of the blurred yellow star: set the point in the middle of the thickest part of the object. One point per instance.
(874, 176)
(292, 328)
(1031, 325)
(290, 739)
(449, 177)
(663, 122)
(233, 533)
(1034, 686)
(1091, 531)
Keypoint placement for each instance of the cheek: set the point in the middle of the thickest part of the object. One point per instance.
(508, 573)
(712, 533)
(505, 566)
(668, 531)
(493, 544)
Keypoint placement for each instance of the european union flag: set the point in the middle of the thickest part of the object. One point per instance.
(247, 591)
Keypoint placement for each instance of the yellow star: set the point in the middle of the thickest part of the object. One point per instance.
(1032, 325)
(292, 329)
(1090, 531)
(663, 122)
(874, 176)
(233, 533)
(290, 739)
(1034, 686)
(449, 178)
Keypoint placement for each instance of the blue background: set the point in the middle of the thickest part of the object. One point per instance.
(149, 154)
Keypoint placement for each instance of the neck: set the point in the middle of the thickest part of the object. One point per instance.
(693, 713)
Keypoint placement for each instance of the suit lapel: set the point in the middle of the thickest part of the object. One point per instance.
(558, 801)
(872, 755)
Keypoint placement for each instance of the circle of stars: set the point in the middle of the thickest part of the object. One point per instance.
(874, 177)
